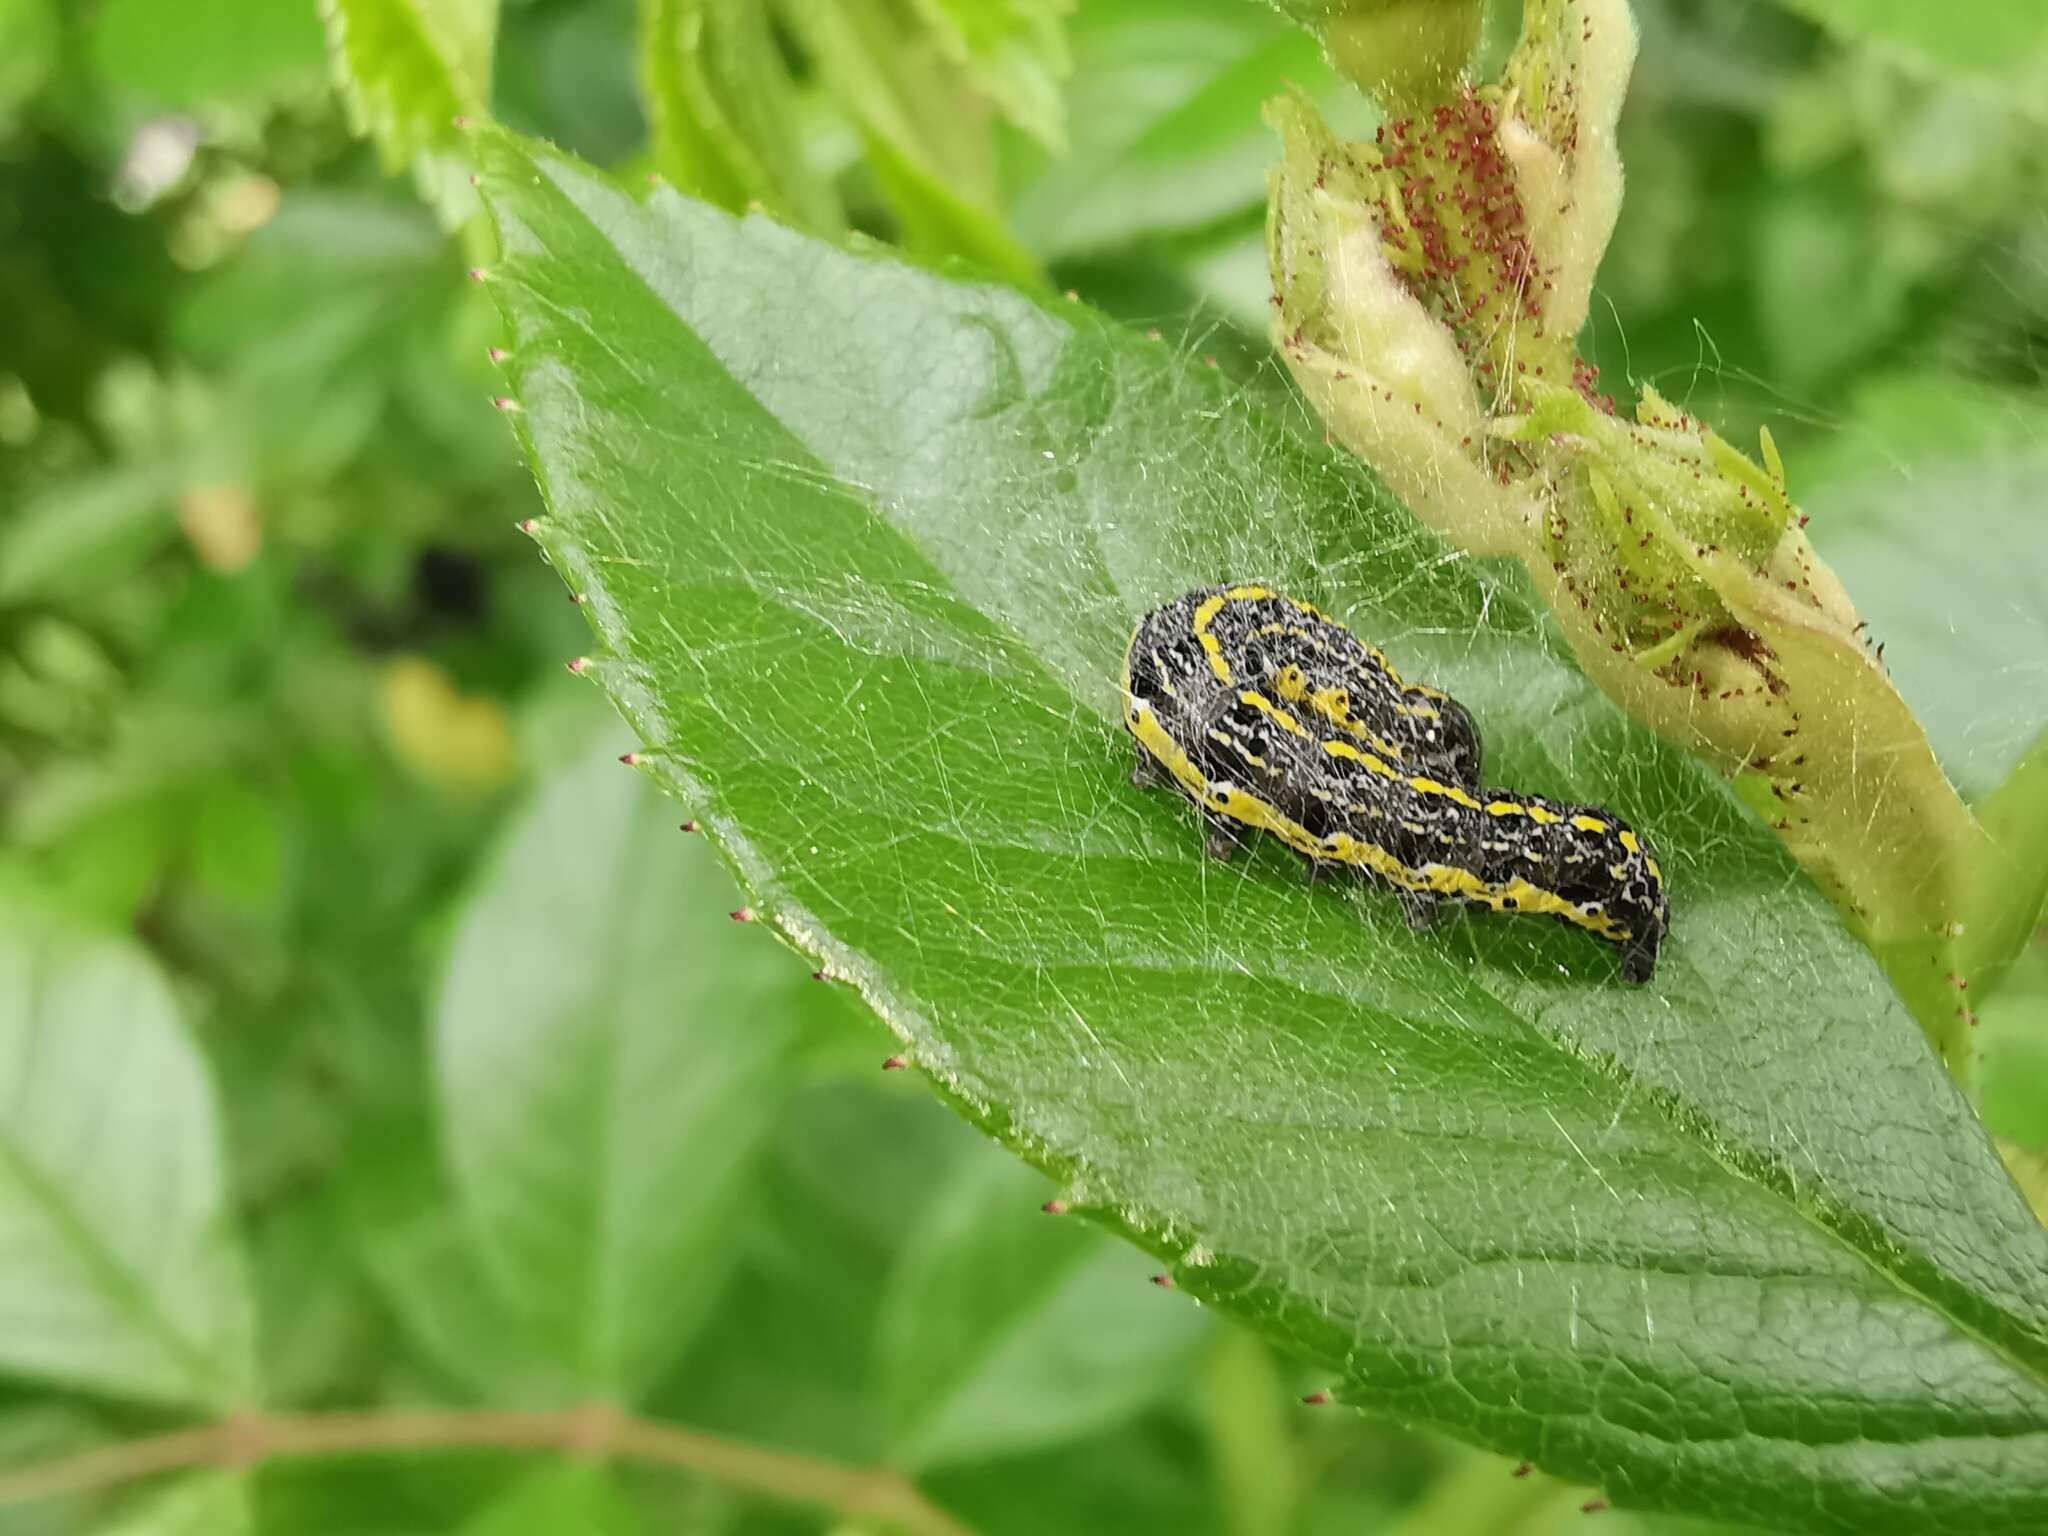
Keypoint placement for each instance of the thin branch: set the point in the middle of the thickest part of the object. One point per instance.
(594, 1430)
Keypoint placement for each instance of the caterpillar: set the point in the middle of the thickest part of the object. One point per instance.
(1274, 718)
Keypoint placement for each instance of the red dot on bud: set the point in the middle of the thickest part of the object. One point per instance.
(895, 1064)
(528, 526)
(742, 915)
(506, 403)
(479, 275)
(497, 354)
(1316, 1399)
(576, 667)
(1054, 1207)
(631, 759)
(1523, 1469)
(689, 826)
(1593, 1506)
(1163, 1281)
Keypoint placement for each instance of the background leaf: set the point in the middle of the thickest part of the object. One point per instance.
(248, 51)
(1014, 51)
(604, 1080)
(869, 610)
(1007, 1330)
(408, 69)
(120, 1270)
(1166, 135)
(200, 1504)
(1961, 609)
(928, 138)
(723, 110)
(572, 1500)
(1975, 37)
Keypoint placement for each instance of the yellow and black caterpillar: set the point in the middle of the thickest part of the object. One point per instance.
(1272, 717)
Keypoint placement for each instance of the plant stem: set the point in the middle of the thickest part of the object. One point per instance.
(595, 1430)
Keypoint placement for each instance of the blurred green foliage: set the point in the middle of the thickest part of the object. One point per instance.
(332, 1080)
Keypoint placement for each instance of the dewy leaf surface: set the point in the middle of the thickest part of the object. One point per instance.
(863, 546)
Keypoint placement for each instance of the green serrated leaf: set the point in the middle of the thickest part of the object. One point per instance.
(608, 1064)
(1014, 51)
(408, 70)
(927, 137)
(721, 107)
(937, 222)
(120, 1270)
(1165, 123)
(862, 548)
